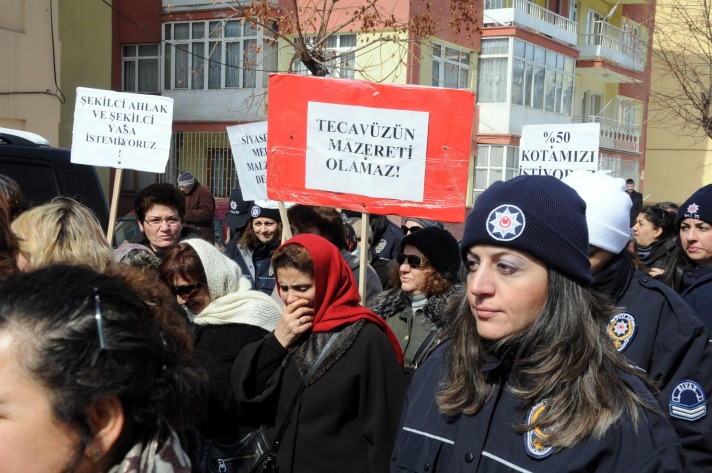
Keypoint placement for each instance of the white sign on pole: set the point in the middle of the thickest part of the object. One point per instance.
(249, 150)
(559, 149)
(367, 151)
(122, 130)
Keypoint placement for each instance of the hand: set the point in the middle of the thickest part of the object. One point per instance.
(655, 272)
(295, 321)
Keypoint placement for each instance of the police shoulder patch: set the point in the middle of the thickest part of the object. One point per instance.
(533, 439)
(688, 401)
(381, 245)
(621, 329)
(506, 222)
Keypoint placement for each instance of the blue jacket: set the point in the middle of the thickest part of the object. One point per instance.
(698, 293)
(660, 334)
(488, 442)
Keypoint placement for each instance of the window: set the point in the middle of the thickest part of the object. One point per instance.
(451, 67)
(140, 68)
(222, 174)
(494, 163)
(341, 56)
(541, 78)
(594, 28)
(217, 54)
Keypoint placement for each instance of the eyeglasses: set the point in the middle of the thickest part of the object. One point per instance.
(406, 230)
(186, 291)
(156, 221)
(413, 261)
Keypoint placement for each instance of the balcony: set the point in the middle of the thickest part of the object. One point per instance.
(529, 15)
(616, 135)
(604, 41)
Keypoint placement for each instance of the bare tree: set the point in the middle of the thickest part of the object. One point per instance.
(307, 26)
(683, 58)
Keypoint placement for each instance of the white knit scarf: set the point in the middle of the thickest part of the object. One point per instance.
(232, 298)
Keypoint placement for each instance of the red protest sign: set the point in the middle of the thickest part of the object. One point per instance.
(375, 148)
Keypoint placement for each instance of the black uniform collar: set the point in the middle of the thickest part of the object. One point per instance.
(615, 278)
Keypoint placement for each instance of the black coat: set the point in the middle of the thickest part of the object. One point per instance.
(697, 292)
(487, 442)
(216, 347)
(660, 334)
(637, 199)
(345, 420)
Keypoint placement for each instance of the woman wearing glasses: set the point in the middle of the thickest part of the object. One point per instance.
(654, 234)
(95, 373)
(159, 213)
(226, 315)
(412, 224)
(424, 283)
(528, 380)
(345, 418)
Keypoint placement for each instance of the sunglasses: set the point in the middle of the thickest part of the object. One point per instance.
(406, 230)
(186, 291)
(413, 261)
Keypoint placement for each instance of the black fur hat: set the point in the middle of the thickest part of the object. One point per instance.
(439, 247)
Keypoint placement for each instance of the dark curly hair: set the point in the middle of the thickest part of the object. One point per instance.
(159, 194)
(146, 363)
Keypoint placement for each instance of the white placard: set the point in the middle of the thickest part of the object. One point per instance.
(373, 152)
(122, 130)
(249, 150)
(559, 149)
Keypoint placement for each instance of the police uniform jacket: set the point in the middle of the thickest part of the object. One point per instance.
(660, 334)
(256, 265)
(697, 291)
(488, 442)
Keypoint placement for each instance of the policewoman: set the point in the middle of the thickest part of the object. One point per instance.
(528, 380)
(653, 327)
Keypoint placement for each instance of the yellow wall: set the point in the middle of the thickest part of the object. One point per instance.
(678, 161)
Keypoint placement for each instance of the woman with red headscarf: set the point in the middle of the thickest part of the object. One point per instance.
(346, 417)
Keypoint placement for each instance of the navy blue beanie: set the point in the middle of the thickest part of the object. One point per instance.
(539, 215)
(698, 206)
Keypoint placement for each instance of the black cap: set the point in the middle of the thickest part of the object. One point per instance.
(239, 210)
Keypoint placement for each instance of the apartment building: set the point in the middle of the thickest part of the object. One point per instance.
(215, 64)
(563, 62)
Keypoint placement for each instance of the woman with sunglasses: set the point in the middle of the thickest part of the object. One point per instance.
(96, 373)
(226, 315)
(423, 284)
(345, 418)
(412, 224)
(654, 234)
(528, 380)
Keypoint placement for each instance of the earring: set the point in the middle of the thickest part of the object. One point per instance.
(96, 455)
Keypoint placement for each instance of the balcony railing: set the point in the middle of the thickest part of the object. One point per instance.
(530, 15)
(616, 135)
(613, 43)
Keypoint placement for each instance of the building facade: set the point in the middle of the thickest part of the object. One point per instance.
(563, 62)
(214, 62)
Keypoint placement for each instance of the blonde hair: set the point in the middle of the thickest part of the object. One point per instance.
(62, 231)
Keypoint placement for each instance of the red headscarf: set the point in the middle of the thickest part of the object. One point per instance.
(336, 302)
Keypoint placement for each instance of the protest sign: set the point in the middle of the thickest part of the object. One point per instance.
(376, 148)
(249, 150)
(559, 149)
(122, 130)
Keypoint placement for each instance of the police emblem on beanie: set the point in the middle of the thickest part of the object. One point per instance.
(698, 206)
(265, 209)
(505, 223)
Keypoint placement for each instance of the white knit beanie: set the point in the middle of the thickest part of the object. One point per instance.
(223, 273)
(607, 208)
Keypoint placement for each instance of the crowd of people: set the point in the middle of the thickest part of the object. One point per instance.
(566, 329)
